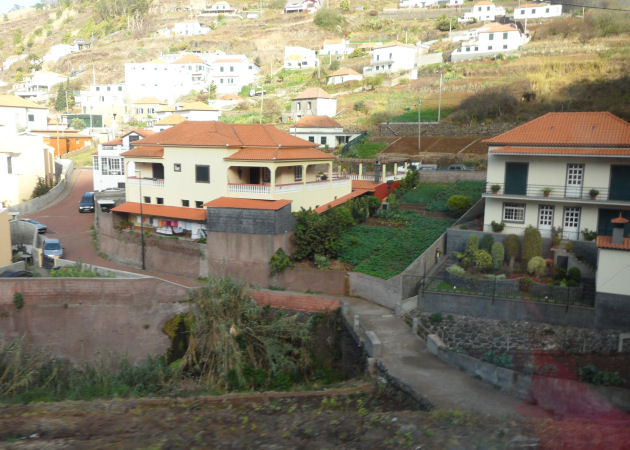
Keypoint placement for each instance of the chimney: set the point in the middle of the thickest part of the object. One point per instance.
(618, 228)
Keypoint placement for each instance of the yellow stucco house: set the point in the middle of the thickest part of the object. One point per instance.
(564, 170)
(172, 174)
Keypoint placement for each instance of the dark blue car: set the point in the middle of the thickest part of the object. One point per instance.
(87, 202)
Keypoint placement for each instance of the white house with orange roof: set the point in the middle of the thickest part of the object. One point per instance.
(344, 75)
(299, 58)
(537, 11)
(175, 174)
(167, 122)
(193, 111)
(145, 109)
(313, 102)
(230, 73)
(322, 130)
(490, 40)
(565, 170)
(392, 57)
(338, 47)
(188, 28)
(108, 167)
(483, 11)
(18, 114)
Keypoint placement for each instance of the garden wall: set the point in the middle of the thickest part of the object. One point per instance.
(612, 311)
(443, 129)
(81, 318)
(64, 169)
(506, 309)
(450, 176)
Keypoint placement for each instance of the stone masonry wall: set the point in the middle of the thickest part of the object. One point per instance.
(442, 129)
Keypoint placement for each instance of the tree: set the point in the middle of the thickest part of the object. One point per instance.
(532, 244)
(328, 19)
(77, 124)
(345, 5)
(17, 36)
(446, 24)
(334, 65)
(65, 97)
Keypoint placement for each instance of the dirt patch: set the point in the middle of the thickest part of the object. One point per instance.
(352, 417)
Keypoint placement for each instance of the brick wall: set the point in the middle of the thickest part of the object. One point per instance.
(295, 302)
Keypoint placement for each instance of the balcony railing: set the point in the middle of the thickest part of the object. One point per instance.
(155, 182)
(249, 188)
(284, 188)
(558, 192)
(372, 177)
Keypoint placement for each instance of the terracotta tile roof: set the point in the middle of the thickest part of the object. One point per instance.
(563, 151)
(245, 203)
(483, 3)
(394, 44)
(145, 152)
(13, 101)
(345, 71)
(340, 201)
(317, 122)
(172, 119)
(114, 142)
(149, 101)
(230, 97)
(333, 41)
(363, 185)
(606, 242)
(496, 27)
(582, 129)
(190, 59)
(313, 92)
(278, 154)
(534, 5)
(227, 60)
(140, 131)
(227, 135)
(620, 220)
(170, 212)
(196, 106)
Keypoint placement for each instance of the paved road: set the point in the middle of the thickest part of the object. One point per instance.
(72, 228)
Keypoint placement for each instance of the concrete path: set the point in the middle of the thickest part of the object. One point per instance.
(406, 358)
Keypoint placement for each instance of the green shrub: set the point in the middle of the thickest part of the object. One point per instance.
(41, 187)
(435, 318)
(328, 19)
(321, 262)
(482, 260)
(458, 204)
(503, 360)
(532, 244)
(18, 300)
(512, 245)
(574, 275)
(536, 266)
(589, 235)
(497, 227)
(279, 261)
(456, 270)
(498, 255)
(472, 244)
(590, 374)
(486, 242)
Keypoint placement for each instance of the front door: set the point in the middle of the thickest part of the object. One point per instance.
(254, 175)
(575, 179)
(545, 220)
(571, 223)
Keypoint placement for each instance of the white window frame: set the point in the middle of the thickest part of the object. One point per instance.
(514, 212)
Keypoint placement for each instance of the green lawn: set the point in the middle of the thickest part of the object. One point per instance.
(383, 251)
(366, 150)
(435, 195)
(83, 158)
(426, 115)
(425, 192)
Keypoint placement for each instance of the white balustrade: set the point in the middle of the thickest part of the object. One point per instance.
(249, 188)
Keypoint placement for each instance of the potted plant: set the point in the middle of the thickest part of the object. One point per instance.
(547, 191)
(495, 188)
(593, 193)
(556, 236)
(497, 227)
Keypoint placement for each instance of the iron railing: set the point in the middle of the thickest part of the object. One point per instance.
(555, 191)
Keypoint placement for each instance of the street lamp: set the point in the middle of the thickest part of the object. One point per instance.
(138, 175)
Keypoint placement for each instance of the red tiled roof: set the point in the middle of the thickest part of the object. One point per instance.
(245, 203)
(496, 27)
(221, 134)
(345, 71)
(317, 122)
(146, 152)
(606, 242)
(189, 59)
(363, 184)
(312, 92)
(564, 151)
(278, 154)
(114, 142)
(341, 200)
(620, 220)
(595, 129)
(171, 212)
(141, 131)
(227, 60)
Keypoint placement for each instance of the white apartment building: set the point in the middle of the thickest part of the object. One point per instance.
(537, 11)
(185, 29)
(313, 102)
(484, 11)
(336, 47)
(106, 100)
(230, 73)
(490, 40)
(391, 57)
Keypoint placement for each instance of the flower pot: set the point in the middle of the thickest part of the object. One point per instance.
(495, 192)
(593, 197)
(546, 194)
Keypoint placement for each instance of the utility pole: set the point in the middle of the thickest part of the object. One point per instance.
(440, 98)
(139, 175)
(262, 99)
(419, 106)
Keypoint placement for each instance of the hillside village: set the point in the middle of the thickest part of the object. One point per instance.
(452, 175)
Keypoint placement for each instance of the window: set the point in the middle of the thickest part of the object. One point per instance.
(231, 68)
(177, 167)
(311, 138)
(105, 166)
(150, 110)
(308, 105)
(534, 11)
(202, 174)
(198, 204)
(522, 11)
(476, 49)
(109, 88)
(266, 175)
(514, 212)
(491, 36)
(160, 200)
(120, 88)
(185, 203)
(390, 56)
(114, 166)
(10, 165)
(467, 49)
(98, 88)
(504, 35)
(489, 47)
(221, 69)
(31, 117)
(298, 106)
(147, 199)
(547, 10)
(94, 163)
(298, 173)
(323, 140)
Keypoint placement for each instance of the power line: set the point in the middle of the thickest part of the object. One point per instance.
(594, 7)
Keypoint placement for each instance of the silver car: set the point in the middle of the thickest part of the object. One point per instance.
(52, 248)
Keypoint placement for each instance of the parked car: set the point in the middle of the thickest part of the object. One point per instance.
(41, 228)
(17, 274)
(458, 167)
(52, 247)
(87, 202)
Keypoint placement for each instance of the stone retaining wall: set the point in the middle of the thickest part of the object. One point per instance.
(33, 205)
(442, 129)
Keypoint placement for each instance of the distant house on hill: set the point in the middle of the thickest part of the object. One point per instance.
(537, 11)
(313, 102)
(191, 28)
(336, 47)
(218, 8)
(417, 3)
(489, 40)
(321, 130)
(193, 111)
(343, 76)
(391, 57)
(38, 86)
(299, 58)
(309, 6)
(18, 114)
(483, 11)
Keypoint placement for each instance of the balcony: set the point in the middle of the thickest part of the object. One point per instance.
(155, 182)
(553, 192)
(265, 190)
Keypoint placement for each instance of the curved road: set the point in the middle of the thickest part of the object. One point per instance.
(72, 228)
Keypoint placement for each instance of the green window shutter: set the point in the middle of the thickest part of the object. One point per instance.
(619, 183)
(516, 178)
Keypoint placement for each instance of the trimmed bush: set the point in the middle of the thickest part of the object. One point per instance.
(279, 261)
(536, 266)
(574, 276)
(512, 245)
(486, 242)
(472, 244)
(532, 244)
(482, 260)
(456, 270)
(498, 254)
(457, 205)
